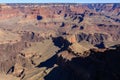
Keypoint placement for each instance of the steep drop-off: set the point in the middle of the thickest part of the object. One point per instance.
(59, 41)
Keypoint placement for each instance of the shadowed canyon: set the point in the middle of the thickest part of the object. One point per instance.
(60, 41)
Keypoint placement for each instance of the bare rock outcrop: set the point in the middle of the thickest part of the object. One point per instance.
(44, 41)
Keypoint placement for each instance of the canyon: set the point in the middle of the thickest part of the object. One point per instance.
(60, 41)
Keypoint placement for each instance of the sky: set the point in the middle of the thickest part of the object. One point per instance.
(59, 1)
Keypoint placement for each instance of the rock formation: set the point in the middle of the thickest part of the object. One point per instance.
(45, 41)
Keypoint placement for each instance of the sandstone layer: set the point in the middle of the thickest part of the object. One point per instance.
(59, 41)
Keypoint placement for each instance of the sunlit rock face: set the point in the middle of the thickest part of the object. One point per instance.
(44, 41)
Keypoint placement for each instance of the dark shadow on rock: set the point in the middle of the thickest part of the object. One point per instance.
(11, 70)
(63, 45)
(101, 45)
(81, 27)
(60, 42)
(32, 35)
(116, 46)
(49, 63)
(74, 26)
(58, 73)
(98, 66)
(39, 17)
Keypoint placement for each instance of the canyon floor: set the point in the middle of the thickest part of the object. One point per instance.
(60, 41)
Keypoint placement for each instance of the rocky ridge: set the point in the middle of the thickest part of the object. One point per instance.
(43, 41)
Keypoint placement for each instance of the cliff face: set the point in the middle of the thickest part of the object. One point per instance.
(39, 41)
(91, 22)
(99, 65)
